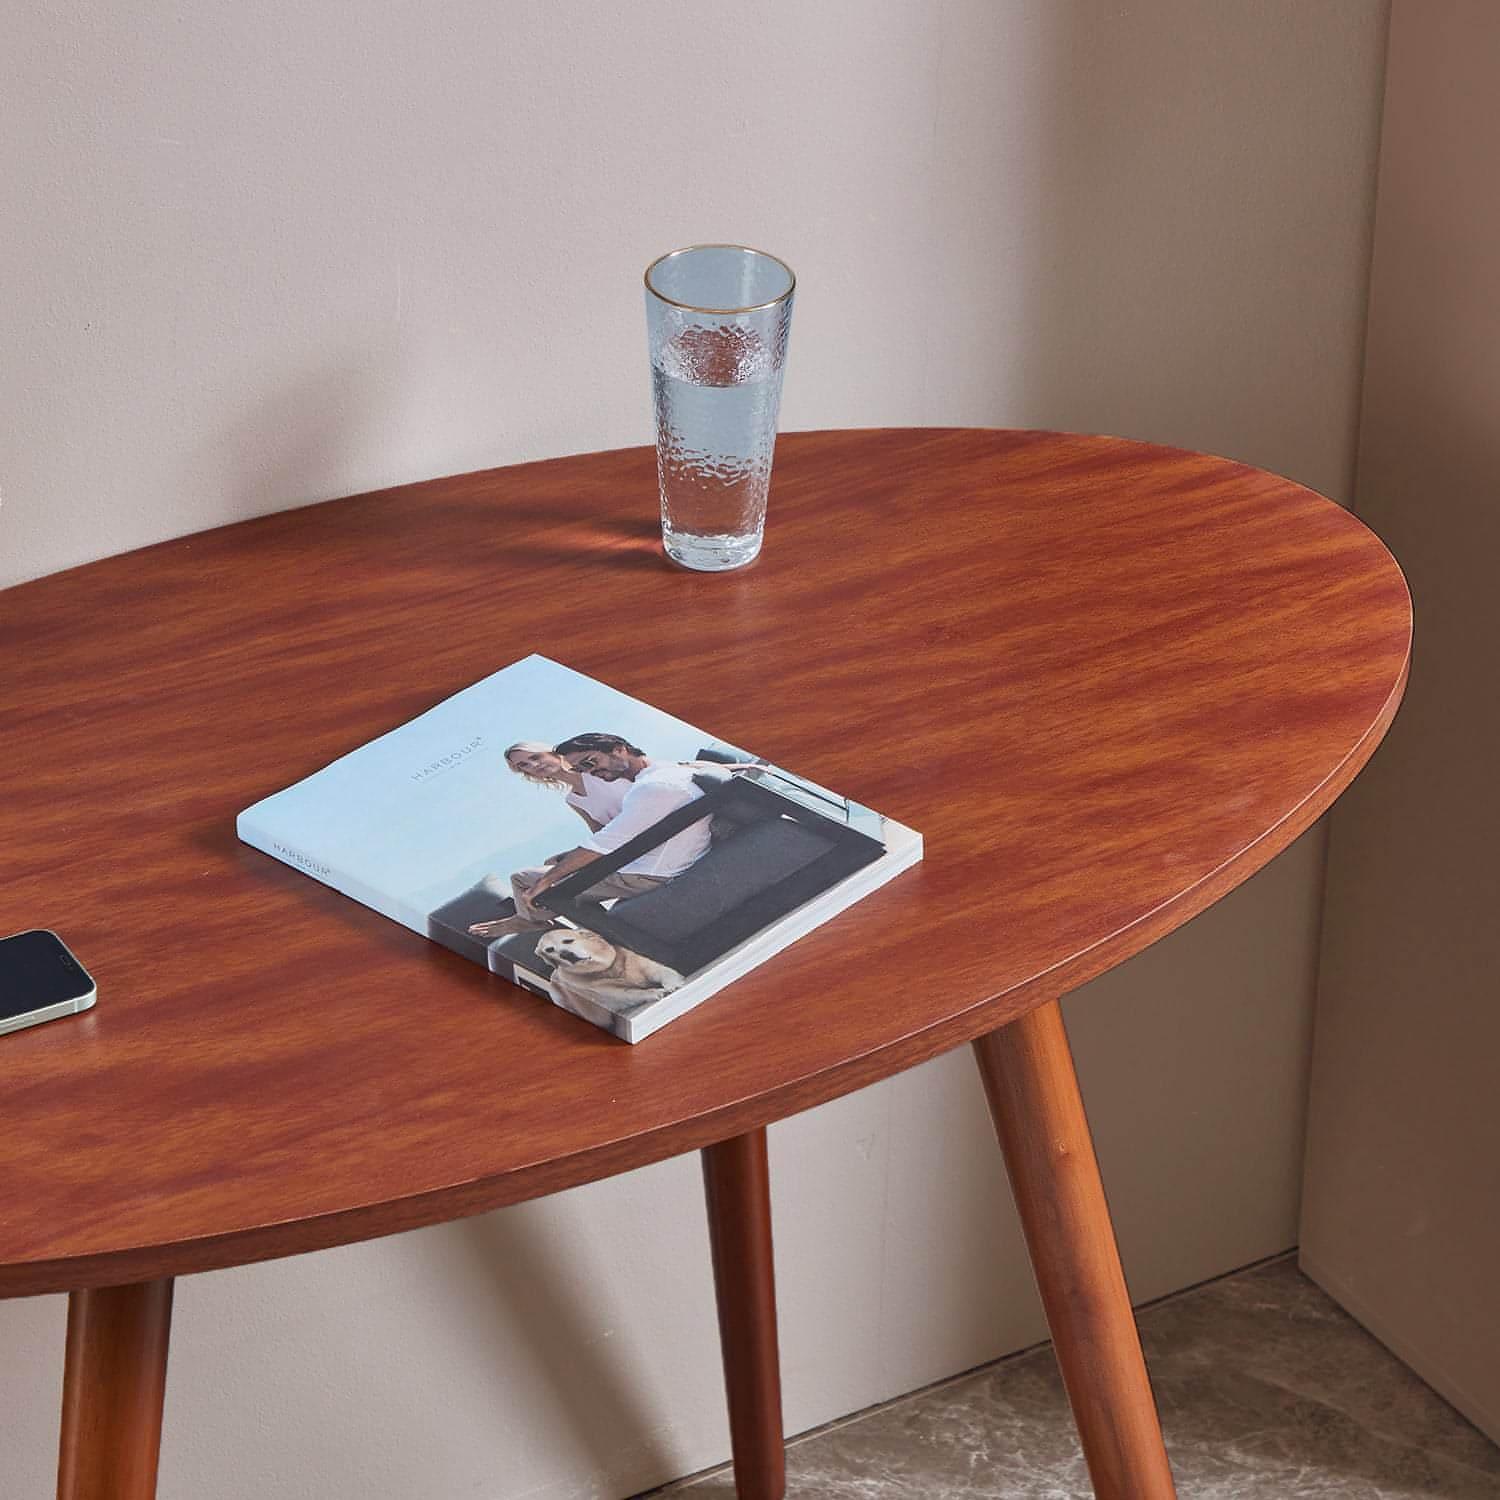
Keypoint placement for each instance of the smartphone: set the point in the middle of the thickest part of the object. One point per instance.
(40, 980)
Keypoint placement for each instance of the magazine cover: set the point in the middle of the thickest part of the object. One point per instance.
(606, 856)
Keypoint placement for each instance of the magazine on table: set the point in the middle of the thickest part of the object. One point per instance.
(604, 855)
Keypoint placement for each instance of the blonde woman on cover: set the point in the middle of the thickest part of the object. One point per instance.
(594, 800)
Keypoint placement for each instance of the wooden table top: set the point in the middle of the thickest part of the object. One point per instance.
(1107, 681)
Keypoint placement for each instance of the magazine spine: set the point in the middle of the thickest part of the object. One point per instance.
(305, 862)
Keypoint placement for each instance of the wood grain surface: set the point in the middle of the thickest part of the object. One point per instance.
(114, 1383)
(1107, 681)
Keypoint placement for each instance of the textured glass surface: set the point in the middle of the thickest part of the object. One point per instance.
(716, 379)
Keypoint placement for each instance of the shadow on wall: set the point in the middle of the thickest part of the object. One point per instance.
(304, 439)
(1197, 275)
(598, 1396)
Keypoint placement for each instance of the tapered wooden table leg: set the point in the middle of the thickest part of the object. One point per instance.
(737, 1185)
(114, 1380)
(1033, 1093)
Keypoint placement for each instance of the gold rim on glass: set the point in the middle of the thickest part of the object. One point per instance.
(693, 307)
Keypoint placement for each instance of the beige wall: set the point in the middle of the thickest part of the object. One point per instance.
(1402, 1215)
(274, 253)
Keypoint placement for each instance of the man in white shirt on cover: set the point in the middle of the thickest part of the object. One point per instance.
(657, 788)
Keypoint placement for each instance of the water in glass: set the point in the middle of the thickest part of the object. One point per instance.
(717, 391)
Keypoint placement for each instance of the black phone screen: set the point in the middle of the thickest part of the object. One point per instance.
(36, 970)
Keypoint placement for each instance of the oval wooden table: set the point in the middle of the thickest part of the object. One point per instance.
(1107, 681)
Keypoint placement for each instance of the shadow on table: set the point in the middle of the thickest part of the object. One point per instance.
(455, 536)
(324, 429)
(538, 532)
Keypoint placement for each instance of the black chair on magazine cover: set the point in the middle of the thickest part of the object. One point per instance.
(768, 855)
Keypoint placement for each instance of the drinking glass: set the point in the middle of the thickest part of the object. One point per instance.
(717, 317)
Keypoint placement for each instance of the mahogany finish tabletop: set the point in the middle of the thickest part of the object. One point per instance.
(1107, 681)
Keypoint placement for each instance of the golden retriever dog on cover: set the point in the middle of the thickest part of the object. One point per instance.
(590, 967)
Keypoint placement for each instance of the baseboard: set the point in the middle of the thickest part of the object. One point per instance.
(1481, 1413)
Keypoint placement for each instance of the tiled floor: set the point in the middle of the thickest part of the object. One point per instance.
(1268, 1391)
